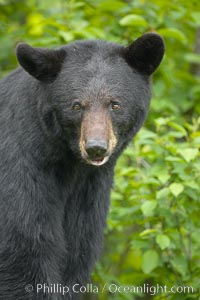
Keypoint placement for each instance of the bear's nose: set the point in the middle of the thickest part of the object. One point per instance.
(96, 148)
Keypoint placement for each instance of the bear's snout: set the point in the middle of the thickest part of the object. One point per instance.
(97, 152)
(97, 140)
(96, 149)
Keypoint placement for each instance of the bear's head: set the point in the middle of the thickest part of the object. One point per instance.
(98, 92)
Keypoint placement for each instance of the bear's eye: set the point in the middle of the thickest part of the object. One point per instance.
(77, 106)
(115, 105)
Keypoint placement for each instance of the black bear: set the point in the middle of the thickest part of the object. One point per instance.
(65, 117)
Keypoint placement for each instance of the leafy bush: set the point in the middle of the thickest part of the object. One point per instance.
(153, 226)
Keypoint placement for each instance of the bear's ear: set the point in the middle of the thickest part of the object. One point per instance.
(43, 64)
(146, 53)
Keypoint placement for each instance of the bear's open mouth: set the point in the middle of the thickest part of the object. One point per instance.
(98, 161)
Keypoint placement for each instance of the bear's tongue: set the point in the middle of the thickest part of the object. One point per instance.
(99, 161)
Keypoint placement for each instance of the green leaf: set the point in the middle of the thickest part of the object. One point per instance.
(176, 189)
(173, 33)
(176, 134)
(147, 134)
(189, 153)
(196, 18)
(115, 195)
(192, 58)
(178, 127)
(163, 177)
(148, 231)
(179, 263)
(163, 193)
(110, 6)
(148, 208)
(163, 241)
(133, 20)
(173, 158)
(161, 172)
(192, 184)
(149, 261)
(67, 36)
(161, 121)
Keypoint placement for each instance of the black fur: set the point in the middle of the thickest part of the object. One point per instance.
(53, 205)
(43, 64)
(145, 53)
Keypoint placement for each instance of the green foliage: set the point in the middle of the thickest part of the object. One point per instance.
(153, 227)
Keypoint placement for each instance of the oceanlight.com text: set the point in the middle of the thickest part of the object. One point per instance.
(111, 288)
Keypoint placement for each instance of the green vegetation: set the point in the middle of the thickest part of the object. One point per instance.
(153, 227)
